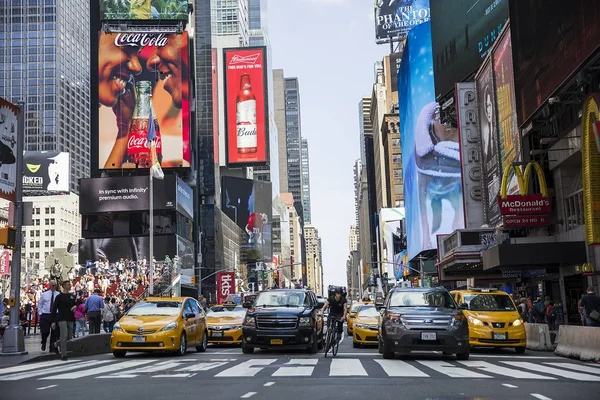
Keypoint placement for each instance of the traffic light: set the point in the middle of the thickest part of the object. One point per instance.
(8, 237)
(194, 280)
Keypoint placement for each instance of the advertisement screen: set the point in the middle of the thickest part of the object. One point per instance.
(463, 32)
(552, 39)
(129, 248)
(8, 148)
(249, 204)
(395, 18)
(430, 150)
(46, 171)
(185, 255)
(225, 286)
(246, 105)
(139, 74)
(510, 138)
(143, 9)
(101, 195)
(185, 199)
(490, 174)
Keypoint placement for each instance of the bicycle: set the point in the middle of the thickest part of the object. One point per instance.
(332, 341)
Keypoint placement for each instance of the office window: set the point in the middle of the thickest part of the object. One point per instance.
(47, 210)
(52, 210)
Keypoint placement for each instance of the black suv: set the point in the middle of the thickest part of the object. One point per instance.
(283, 319)
(422, 319)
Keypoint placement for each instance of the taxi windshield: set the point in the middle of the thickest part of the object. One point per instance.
(489, 302)
(434, 298)
(281, 299)
(159, 308)
(355, 307)
(368, 311)
(222, 311)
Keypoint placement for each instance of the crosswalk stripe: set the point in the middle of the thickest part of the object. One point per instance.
(396, 368)
(553, 371)
(297, 367)
(47, 371)
(499, 370)
(163, 366)
(100, 370)
(346, 367)
(29, 367)
(576, 367)
(203, 366)
(247, 368)
(452, 370)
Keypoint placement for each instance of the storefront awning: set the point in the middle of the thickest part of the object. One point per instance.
(534, 255)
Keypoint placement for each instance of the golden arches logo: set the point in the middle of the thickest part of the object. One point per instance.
(523, 179)
(590, 164)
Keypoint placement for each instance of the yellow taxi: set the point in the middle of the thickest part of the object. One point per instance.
(366, 326)
(354, 308)
(493, 318)
(225, 323)
(161, 324)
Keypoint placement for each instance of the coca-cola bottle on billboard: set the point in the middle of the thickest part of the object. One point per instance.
(246, 117)
(138, 151)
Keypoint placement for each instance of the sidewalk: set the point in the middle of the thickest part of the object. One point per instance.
(33, 347)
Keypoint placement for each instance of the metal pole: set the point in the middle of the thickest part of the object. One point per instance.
(14, 342)
(151, 222)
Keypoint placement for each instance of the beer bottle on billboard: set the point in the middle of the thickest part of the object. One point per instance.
(246, 117)
(138, 151)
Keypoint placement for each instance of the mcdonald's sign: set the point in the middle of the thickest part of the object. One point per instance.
(590, 165)
(524, 209)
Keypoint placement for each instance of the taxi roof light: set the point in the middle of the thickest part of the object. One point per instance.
(483, 290)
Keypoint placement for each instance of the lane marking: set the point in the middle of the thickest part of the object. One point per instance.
(540, 396)
(100, 370)
(247, 395)
(269, 384)
(499, 370)
(553, 371)
(395, 368)
(247, 368)
(29, 367)
(46, 387)
(576, 367)
(508, 385)
(451, 370)
(346, 367)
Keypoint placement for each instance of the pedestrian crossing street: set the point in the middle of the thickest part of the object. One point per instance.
(315, 367)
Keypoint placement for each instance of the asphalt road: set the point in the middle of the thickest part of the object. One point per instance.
(225, 373)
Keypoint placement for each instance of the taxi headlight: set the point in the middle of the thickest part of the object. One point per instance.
(361, 326)
(234, 327)
(169, 327)
(249, 321)
(117, 327)
(475, 321)
(305, 321)
(518, 322)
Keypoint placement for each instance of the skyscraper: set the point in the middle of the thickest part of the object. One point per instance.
(357, 172)
(279, 111)
(305, 181)
(293, 138)
(44, 62)
(230, 18)
(365, 127)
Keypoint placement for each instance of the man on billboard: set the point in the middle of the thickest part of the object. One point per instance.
(172, 68)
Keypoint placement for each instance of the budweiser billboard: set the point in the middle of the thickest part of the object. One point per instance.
(225, 286)
(143, 74)
(246, 112)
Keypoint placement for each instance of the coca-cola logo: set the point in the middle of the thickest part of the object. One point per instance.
(141, 142)
(141, 39)
(250, 59)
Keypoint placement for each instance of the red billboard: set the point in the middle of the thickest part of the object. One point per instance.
(246, 104)
(225, 286)
(143, 74)
(524, 205)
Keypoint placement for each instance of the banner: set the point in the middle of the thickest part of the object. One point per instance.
(430, 150)
(46, 171)
(5, 263)
(9, 114)
(185, 199)
(246, 114)
(394, 18)
(590, 157)
(137, 71)
(143, 9)
(463, 32)
(185, 260)
(225, 286)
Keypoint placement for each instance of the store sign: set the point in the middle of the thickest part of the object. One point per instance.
(522, 205)
(591, 169)
(225, 286)
(525, 221)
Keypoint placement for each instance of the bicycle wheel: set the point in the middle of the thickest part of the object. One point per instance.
(328, 342)
(336, 343)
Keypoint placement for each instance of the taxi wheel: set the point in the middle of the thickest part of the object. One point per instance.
(520, 350)
(182, 345)
(119, 353)
(204, 345)
(380, 347)
(355, 345)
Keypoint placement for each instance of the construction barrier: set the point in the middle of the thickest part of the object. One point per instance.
(538, 337)
(581, 342)
(89, 345)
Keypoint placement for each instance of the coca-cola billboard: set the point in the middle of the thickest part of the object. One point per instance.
(246, 105)
(225, 286)
(143, 74)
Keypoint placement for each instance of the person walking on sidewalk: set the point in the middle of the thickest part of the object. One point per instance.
(93, 306)
(45, 307)
(591, 307)
(64, 315)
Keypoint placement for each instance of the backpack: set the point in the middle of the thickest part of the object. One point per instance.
(551, 311)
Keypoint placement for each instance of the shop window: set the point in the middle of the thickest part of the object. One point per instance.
(573, 206)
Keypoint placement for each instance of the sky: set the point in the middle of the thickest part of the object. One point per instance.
(329, 45)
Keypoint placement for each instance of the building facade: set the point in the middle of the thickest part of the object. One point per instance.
(294, 136)
(296, 238)
(280, 122)
(314, 271)
(305, 181)
(353, 238)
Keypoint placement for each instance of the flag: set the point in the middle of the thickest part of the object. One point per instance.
(155, 169)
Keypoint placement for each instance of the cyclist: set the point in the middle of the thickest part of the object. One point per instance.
(338, 309)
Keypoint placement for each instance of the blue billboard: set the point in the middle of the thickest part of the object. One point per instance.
(430, 150)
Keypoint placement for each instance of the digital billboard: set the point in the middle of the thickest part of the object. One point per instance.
(139, 74)
(185, 199)
(143, 9)
(9, 114)
(46, 171)
(394, 18)
(249, 204)
(430, 150)
(463, 32)
(246, 113)
(551, 38)
(510, 137)
(490, 158)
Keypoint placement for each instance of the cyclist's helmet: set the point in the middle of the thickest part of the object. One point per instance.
(338, 290)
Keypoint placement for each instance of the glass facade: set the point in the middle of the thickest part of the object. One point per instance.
(44, 62)
(230, 18)
(305, 181)
(293, 136)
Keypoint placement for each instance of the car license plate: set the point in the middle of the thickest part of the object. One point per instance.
(428, 336)
(500, 336)
(139, 339)
(217, 334)
(276, 341)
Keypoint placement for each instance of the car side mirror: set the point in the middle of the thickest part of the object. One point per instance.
(463, 306)
(247, 304)
(190, 315)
